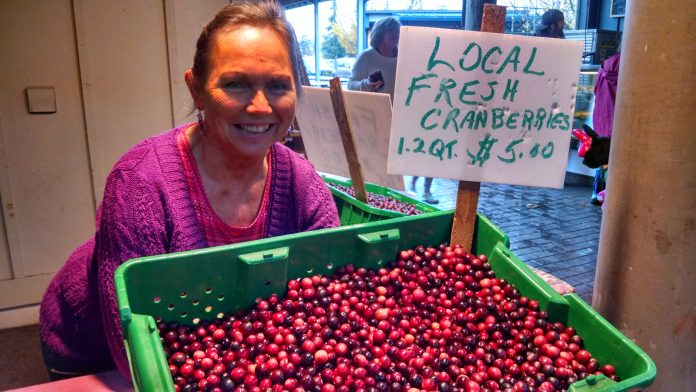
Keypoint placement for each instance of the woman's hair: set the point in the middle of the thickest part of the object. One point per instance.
(549, 18)
(380, 28)
(261, 13)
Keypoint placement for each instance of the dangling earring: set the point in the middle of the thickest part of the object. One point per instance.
(201, 125)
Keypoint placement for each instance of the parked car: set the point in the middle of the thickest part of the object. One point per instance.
(341, 68)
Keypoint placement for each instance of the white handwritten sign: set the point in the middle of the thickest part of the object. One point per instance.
(370, 120)
(483, 107)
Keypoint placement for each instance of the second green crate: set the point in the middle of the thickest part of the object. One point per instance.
(352, 211)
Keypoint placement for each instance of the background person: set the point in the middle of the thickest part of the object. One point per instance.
(551, 25)
(605, 90)
(381, 56)
(427, 196)
(606, 86)
(221, 180)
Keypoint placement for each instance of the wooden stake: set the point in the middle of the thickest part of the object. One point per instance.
(465, 214)
(468, 191)
(339, 107)
(493, 19)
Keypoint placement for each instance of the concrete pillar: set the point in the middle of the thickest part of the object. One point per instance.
(646, 270)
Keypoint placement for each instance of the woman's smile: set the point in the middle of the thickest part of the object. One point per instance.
(255, 129)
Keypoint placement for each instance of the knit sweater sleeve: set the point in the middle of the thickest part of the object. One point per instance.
(322, 212)
(361, 70)
(301, 201)
(132, 224)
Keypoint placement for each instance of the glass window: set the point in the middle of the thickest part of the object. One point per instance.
(445, 14)
(302, 20)
(337, 39)
(380, 5)
(523, 15)
(329, 48)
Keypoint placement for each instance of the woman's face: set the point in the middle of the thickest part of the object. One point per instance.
(249, 97)
(391, 38)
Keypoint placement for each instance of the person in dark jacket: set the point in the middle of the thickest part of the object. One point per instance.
(551, 25)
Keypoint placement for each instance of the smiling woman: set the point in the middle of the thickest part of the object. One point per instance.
(221, 180)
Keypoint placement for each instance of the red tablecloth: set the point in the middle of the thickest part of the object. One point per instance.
(108, 381)
(561, 286)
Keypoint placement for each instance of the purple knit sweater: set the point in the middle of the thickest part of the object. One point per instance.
(147, 210)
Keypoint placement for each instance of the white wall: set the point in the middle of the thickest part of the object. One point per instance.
(117, 68)
(45, 183)
(125, 78)
(185, 20)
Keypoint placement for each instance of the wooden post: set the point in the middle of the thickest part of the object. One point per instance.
(339, 107)
(473, 14)
(465, 214)
(468, 192)
(493, 18)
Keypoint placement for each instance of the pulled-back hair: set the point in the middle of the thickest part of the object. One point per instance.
(260, 13)
(380, 28)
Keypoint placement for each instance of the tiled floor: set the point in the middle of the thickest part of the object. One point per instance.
(554, 230)
(20, 354)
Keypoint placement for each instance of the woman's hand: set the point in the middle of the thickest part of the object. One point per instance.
(374, 86)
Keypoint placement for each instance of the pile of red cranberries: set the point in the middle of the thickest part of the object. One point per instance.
(382, 202)
(435, 319)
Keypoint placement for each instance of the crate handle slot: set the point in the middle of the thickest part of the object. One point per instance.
(377, 248)
(380, 236)
(126, 315)
(265, 256)
(259, 274)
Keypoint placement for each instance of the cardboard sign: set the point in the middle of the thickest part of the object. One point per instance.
(483, 107)
(370, 119)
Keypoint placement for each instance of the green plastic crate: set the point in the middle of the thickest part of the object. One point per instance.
(352, 211)
(203, 284)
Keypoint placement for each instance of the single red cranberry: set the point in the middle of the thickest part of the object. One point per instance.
(608, 370)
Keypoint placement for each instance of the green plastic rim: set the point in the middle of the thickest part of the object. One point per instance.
(208, 282)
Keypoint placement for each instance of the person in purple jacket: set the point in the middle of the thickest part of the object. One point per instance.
(605, 90)
(221, 180)
(606, 87)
